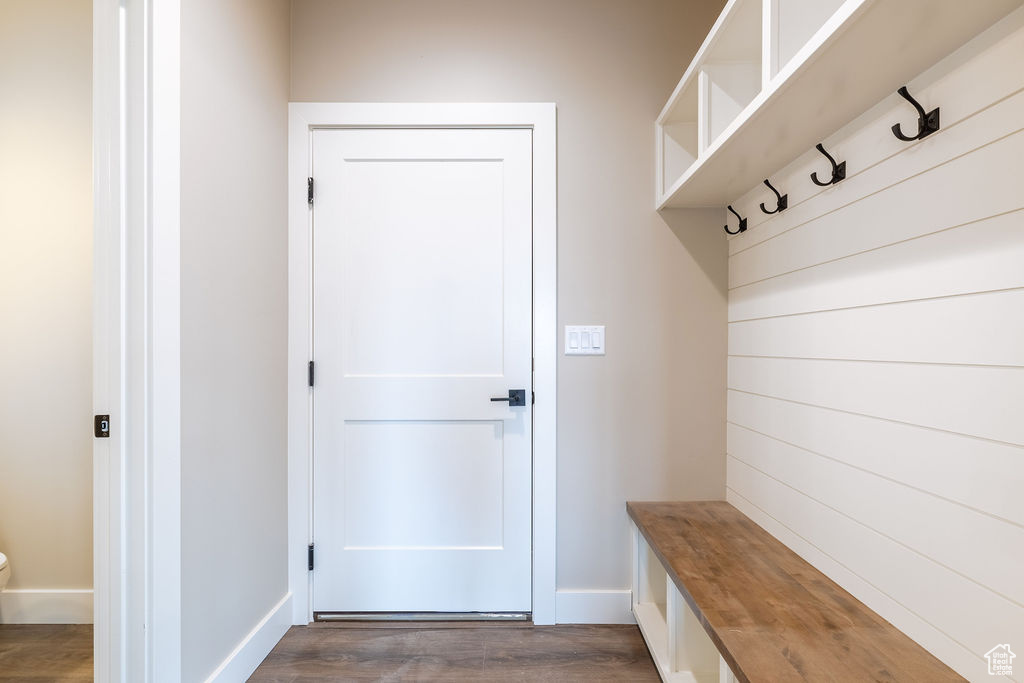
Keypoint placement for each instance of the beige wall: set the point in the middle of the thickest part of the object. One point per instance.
(647, 420)
(46, 292)
(876, 347)
(234, 322)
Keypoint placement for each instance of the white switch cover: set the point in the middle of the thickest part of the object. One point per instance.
(584, 340)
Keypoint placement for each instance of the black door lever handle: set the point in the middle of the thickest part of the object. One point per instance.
(516, 397)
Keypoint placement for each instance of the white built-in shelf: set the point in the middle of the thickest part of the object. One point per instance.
(775, 77)
(681, 650)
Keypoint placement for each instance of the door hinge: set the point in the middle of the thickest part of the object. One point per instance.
(309, 557)
(309, 191)
(101, 426)
(533, 398)
(311, 373)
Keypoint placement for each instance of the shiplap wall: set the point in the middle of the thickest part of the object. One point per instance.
(876, 359)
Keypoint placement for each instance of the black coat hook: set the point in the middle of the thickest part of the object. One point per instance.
(743, 223)
(927, 123)
(838, 170)
(783, 200)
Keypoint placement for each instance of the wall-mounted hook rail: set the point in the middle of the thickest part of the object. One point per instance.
(782, 199)
(927, 123)
(838, 170)
(743, 223)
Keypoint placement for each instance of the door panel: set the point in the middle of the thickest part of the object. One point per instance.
(422, 313)
(445, 232)
(395, 498)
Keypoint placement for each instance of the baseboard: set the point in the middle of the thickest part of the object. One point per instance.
(46, 606)
(594, 607)
(240, 664)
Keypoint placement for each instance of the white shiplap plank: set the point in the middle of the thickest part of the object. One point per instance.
(979, 401)
(959, 468)
(984, 549)
(970, 614)
(866, 141)
(980, 257)
(891, 609)
(977, 185)
(876, 366)
(971, 329)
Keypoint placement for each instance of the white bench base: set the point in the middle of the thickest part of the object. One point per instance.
(681, 650)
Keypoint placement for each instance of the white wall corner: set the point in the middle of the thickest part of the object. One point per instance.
(594, 607)
(254, 648)
(46, 607)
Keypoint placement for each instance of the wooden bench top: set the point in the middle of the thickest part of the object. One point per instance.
(772, 616)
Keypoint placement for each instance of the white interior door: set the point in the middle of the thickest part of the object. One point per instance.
(422, 314)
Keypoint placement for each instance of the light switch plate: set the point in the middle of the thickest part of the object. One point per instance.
(584, 340)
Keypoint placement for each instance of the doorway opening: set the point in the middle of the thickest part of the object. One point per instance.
(377, 140)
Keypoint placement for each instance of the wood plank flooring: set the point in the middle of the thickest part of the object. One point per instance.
(324, 652)
(45, 652)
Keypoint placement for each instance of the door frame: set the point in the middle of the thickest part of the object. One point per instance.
(136, 340)
(303, 117)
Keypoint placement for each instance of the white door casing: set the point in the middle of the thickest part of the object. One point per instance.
(136, 339)
(422, 314)
(304, 120)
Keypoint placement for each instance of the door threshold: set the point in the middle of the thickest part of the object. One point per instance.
(364, 618)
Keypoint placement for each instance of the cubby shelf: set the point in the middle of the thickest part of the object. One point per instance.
(681, 650)
(775, 77)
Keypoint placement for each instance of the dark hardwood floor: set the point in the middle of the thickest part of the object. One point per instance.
(327, 652)
(45, 652)
(324, 652)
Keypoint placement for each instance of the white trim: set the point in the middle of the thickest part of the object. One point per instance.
(151, 324)
(163, 342)
(545, 355)
(542, 119)
(254, 648)
(134, 294)
(595, 607)
(46, 607)
(136, 107)
(107, 394)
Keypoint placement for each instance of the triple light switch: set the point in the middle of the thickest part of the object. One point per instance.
(584, 340)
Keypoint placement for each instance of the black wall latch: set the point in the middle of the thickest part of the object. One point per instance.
(101, 426)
